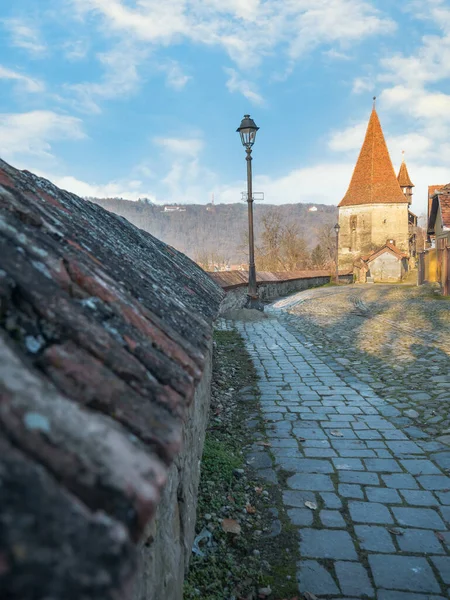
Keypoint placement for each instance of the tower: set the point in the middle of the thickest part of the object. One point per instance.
(374, 210)
(404, 180)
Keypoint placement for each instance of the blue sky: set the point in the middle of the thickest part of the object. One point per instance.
(139, 98)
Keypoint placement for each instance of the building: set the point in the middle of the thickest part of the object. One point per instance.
(375, 210)
(439, 230)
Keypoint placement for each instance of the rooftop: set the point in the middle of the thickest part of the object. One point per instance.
(374, 180)
(403, 178)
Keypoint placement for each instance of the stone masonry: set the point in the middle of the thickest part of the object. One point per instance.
(379, 527)
(105, 366)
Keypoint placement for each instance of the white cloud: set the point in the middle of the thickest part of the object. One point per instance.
(320, 184)
(247, 30)
(336, 55)
(29, 84)
(363, 84)
(188, 147)
(76, 49)
(236, 83)
(175, 77)
(121, 78)
(127, 189)
(348, 139)
(24, 35)
(33, 133)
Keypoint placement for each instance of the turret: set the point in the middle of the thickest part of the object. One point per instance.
(404, 180)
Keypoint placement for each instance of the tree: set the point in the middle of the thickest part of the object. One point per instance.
(319, 257)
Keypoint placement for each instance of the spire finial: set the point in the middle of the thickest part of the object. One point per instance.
(403, 156)
(374, 102)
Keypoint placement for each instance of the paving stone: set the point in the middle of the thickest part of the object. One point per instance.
(370, 434)
(259, 460)
(420, 541)
(301, 516)
(442, 564)
(360, 453)
(419, 497)
(353, 579)
(434, 482)
(445, 513)
(359, 477)
(369, 512)
(268, 475)
(444, 497)
(331, 500)
(425, 518)
(297, 498)
(400, 480)
(332, 519)
(349, 490)
(390, 595)
(374, 538)
(382, 465)
(309, 434)
(312, 577)
(399, 448)
(409, 573)
(311, 482)
(320, 543)
(304, 465)
(384, 495)
(420, 467)
(348, 464)
(320, 452)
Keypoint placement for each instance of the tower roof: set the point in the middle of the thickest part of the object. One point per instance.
(374, 180)
(403, 178)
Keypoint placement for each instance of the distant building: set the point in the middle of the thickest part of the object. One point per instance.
(312, 209)
(374, 213)
(173, 208)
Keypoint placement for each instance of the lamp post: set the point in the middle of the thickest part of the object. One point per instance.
(247, 131)
(337, 227)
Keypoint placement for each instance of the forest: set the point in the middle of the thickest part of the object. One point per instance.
(287, 236)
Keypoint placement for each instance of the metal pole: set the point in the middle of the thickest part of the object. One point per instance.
(252, 289)
(337, 257)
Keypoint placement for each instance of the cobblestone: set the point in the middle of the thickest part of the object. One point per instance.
(338, 386)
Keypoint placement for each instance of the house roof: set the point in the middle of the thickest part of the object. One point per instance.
(438, 200)
(104, 334)
(374, 180)
(386, 248)
(403, 177)
(432, 189)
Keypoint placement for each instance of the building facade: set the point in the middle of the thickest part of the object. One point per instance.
(375, 209)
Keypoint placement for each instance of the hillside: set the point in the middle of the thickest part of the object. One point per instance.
(219, 231)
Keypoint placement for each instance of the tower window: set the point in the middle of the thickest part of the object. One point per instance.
(353, 222)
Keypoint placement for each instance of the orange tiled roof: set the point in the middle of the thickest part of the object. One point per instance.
(444, 202)
(403, 178)
(387, 247)
(432, 189)
(374, 180)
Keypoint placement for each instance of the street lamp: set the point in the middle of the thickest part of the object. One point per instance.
(247, 131)
(337, 227)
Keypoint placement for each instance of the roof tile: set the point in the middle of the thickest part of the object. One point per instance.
(373, 180)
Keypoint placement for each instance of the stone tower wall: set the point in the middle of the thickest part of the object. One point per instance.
(367, 227)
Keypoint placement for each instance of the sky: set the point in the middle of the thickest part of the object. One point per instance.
(142, 98)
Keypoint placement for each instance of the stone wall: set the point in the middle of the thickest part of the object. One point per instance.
(269, 290)
(166, 547)
(367, 227)
(105, 369)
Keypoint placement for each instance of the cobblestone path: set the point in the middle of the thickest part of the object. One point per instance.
(380, 485)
